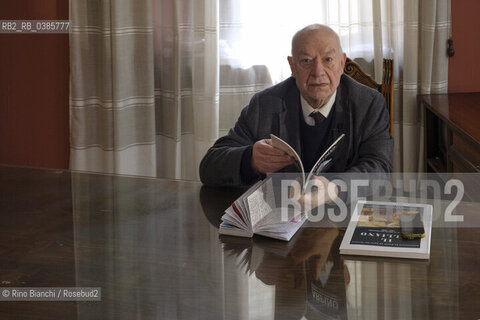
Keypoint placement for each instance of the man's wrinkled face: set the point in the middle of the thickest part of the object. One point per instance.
(317, 65)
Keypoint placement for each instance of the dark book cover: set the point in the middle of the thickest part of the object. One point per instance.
(384, 237)
(379, 225)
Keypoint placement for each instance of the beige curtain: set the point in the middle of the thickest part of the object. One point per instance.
(186, 84)
(112, 115)
(154, 83)
(422, 68)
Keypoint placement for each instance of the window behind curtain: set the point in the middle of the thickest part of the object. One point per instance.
(259, 32)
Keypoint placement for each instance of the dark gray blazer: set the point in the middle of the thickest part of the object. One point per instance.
(360, 112)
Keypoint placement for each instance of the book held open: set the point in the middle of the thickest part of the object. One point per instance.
(256, 210)
(322, 164)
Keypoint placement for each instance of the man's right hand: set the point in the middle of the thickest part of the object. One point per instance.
(267, 159)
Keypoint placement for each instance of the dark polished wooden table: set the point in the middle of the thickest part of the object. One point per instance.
(152, 246)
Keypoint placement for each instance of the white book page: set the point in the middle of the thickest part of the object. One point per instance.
(261, 202)
(283, 227)
(322, 158)
(285, 147)
(234, 231)
(232, 217)
(278, 217)
(242, 204)
(284, 232)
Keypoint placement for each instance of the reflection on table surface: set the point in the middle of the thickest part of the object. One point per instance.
(153, 247)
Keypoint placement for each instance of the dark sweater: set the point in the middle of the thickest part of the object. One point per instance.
(315, 139)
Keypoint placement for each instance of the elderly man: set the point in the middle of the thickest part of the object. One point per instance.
(309, 111)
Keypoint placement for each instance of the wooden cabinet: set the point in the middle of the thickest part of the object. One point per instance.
(452, 132)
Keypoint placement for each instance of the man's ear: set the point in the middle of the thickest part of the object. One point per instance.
(344, 59)
(292, 65)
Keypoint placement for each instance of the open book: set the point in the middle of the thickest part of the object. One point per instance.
(322, 164)
(374, 230)
(256, 211)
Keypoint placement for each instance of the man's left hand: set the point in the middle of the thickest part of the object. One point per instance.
(319, 191)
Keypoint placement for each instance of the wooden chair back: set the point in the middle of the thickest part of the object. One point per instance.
(354, 70)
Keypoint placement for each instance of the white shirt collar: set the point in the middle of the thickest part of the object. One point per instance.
(325, 110)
